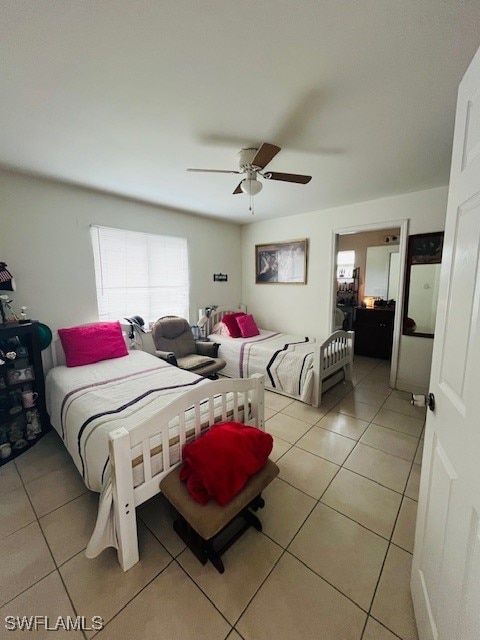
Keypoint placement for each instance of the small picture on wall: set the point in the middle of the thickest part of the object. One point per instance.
(281, 262)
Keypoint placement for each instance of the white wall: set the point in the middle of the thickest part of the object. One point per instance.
(306, 310)
(45, 240)
(377, 272)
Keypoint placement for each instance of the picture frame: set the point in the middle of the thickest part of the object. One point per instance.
(426, 248)
(17, 376)
(281, 262)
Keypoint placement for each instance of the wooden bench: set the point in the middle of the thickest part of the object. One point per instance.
(209, 530)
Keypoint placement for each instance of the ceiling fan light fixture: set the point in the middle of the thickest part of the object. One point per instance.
(251, 186)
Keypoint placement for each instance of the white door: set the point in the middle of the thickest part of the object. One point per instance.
(446, 562)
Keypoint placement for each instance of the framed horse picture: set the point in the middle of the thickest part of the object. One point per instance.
(281, 262)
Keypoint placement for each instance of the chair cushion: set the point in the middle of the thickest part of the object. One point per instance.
(193, 361)
(209, 519)
(173, 334)
(173, 327)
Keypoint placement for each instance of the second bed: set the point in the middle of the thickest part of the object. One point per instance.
(295, 366)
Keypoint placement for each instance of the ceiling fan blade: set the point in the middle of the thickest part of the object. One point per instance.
(213, 171)
(265, 154)
(239, 189)
(287, 177)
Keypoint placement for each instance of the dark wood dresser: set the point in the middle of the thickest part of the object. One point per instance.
(374, 332)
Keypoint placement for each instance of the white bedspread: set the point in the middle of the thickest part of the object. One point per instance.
(86, 403)
(285, 360)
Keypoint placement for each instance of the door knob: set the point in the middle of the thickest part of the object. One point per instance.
(419, 400)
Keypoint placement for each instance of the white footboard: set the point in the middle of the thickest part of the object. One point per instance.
(239, 399)
(334, 355)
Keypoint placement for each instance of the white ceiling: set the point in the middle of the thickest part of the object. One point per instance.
(123, 96)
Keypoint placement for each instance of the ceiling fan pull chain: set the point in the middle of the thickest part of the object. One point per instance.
(250, 208)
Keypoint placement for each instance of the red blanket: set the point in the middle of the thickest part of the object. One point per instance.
(218, 464)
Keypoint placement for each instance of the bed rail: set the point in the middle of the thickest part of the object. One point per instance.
(337, 348)
(334, 354)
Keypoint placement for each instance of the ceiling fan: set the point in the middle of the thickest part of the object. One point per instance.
(252, 162)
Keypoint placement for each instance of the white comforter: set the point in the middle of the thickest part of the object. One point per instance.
(86, 403)
(285, 360)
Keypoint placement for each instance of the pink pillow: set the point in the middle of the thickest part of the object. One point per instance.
(248, 326)
(230, 321)
(91, 343)
(220, 329)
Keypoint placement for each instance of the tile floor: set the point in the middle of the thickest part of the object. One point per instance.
(332, 563)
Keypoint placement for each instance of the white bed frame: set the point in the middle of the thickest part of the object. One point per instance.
(333, 358)
(124, 445)
(126, 497)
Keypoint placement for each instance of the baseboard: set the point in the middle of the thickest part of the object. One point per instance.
(412, 387)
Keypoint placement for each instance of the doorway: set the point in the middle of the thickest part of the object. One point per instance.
(369, 294)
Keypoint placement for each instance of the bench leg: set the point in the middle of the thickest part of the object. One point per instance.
(205, 550)
(257, 503)
(194, 542)
(215, 558)
(252, 520)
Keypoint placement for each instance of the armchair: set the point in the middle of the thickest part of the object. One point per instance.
(174, 342)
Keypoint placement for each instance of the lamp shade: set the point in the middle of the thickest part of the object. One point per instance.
(251, 186)
(7, 283)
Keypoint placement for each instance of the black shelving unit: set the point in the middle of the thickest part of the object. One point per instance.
(347, 291)
(21, 426)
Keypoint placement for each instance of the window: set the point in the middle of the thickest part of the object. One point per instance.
(140, 274)
(345, 265)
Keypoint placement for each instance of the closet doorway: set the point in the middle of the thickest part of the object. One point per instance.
(368, 282)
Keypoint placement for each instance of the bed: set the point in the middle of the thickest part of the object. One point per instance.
(124, 422)
(295, 366)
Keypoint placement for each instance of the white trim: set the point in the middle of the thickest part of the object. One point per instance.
(398, 321)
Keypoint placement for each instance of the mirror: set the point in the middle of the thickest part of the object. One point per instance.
(422, 280)
(381, 274)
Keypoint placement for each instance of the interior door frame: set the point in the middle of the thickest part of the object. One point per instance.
(398, 319)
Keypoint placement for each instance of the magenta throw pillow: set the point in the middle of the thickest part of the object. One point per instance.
(230, 321)
(248, 326)
(91, 343)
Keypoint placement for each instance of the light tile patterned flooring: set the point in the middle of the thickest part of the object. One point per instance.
(333, 561)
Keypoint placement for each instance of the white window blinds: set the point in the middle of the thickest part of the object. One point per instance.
(140, 274)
